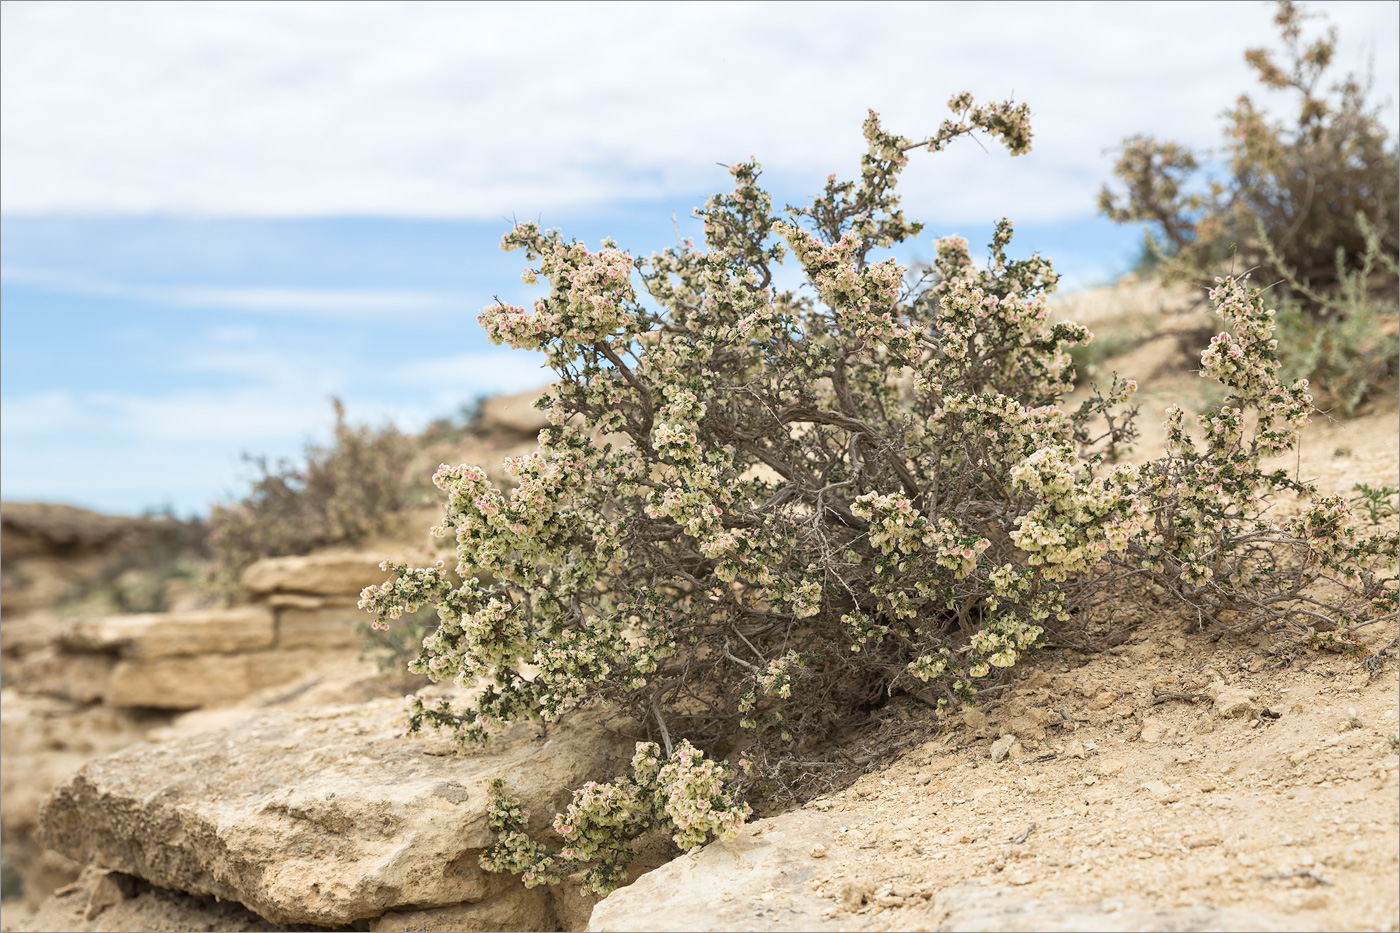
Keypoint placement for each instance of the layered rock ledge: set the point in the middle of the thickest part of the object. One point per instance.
(324, 817)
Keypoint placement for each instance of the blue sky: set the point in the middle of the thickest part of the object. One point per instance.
(213, 217)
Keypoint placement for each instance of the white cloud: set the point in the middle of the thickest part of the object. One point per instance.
(260, 412)
(278, 395)
(38, 413)
(292, 300)
(483, 110)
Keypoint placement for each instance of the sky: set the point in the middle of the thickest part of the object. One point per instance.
(216, 216)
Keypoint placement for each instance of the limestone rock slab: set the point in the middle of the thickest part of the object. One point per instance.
(178, 683)
(329, 573)
(323, 816)
(513, 416)
(755, 881)
(170, 634)
(324, 627)
(81, 678)
(192, 682)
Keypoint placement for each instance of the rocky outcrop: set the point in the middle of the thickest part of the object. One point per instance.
(42, 741)
(186, 660)
(50, 553)
(91, 686)
(40, 529)
(511, 419)
(303, 622)
(327, 816)
(329, 573)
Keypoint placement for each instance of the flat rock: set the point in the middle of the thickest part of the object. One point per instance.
(324, 816)
(755, 881)
(513, 416)
(329, 574)
(81, 678)
(322, 627)
(194, 681)
(169, 634)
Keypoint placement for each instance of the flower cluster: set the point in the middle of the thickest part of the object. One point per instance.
(1076, 523)
(690, 797)
(1211, 540)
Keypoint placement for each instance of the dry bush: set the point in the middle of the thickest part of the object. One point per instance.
(1311, 204)
(343, 494)
(1299, 185)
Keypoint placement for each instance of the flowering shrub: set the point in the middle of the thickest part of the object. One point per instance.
(759, 513)
(1211, 542)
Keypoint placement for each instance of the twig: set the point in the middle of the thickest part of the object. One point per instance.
(665, 734)
(1374, 658)
(1163, 696)
(1024, 836)
(1300, 873)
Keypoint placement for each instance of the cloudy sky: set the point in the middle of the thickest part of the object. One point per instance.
(216, 216)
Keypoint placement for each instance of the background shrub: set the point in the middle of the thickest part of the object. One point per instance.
(1298, 185)
(343, 494)
(1313, 205)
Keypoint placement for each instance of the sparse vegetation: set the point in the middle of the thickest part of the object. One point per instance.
(163, 557)
(343, 494)
(1376, 500)
(1312, 205)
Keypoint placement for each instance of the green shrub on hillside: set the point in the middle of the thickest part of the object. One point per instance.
(760, 513)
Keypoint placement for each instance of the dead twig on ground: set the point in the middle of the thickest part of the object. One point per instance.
(1300, 873)
(1162, 696)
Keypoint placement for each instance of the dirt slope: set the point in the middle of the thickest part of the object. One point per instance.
(1172, 770)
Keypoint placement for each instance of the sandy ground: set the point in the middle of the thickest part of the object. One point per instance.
(1171, 770)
